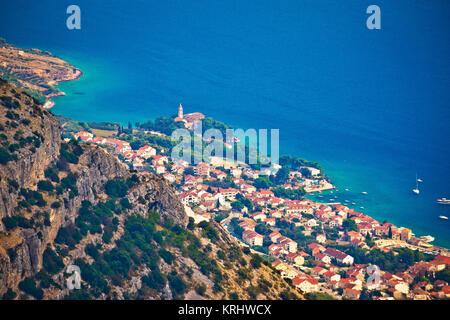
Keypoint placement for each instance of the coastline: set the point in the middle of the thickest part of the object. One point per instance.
(49, 103)
(37, 71)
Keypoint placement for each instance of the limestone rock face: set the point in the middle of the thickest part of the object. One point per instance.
(27, 228)
(29, 167)
(21, 250)
(161, 197)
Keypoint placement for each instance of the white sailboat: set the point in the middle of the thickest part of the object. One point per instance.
(416, 190)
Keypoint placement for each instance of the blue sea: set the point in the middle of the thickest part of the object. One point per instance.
(372, 106)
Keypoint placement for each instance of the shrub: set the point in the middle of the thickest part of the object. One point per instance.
(255, 261)
(177, 284)
(9, 295)
(125, 203)
(132, 181)
(166, 255)
(5, 156)
(191, 223)
(116, 188)
(33, 197)
(56, 205)
(29, 286)
(92, 251)
(69, 235)
(221, 255)
(233, 296)
(154, 280)
(52, 174)
(12, 254)
(201, 289)
(71, 151)
(9, 222)
(45, 280)
(78, 295)
(208, 230)
(45, 185)
(52, 263)
(17, 221)
(13, 184)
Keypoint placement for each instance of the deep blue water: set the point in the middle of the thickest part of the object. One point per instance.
(372, 106)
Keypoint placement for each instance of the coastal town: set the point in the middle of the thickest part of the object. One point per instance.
(323, 249)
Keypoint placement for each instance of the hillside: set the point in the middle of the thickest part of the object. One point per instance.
(62, 203)
(34, 70)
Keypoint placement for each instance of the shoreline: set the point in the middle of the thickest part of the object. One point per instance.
(36, 70)
(49, 103)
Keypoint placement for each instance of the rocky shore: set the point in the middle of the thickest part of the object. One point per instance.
(38, 72)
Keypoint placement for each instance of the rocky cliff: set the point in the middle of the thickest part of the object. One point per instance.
(22, 117)
(62, 203)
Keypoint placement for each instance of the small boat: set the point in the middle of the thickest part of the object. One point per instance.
(416, 190)
(353, 202)
(443, 201)
(419, 180)
(443, 217)
(364, 192)
(362, 207)
(346, 189)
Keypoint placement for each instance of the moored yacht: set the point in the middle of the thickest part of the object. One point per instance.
(416, 190)
(443, 201)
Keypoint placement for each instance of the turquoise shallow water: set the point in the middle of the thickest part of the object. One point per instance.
(373, 107)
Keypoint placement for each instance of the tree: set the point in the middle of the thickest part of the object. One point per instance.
(349, 225)
(364, 295)
(262, 183)
(177, 284)
(282, 175)
(293, 194)
(29, 286)
(237, 205)
(9, 295)
(5, 157)
(45, 185)
(116, 188)
(191, 223)
(262, 229)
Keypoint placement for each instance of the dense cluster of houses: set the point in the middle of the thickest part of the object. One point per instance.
(135, 158)
(319, 267)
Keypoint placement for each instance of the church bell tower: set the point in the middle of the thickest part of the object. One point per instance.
(180, 111)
